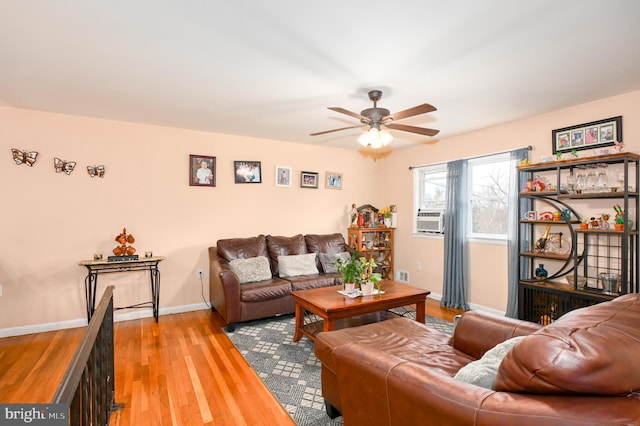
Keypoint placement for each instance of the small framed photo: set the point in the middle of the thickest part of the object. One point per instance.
(283, 176)
(596, 134)
(333, 180)
(202, 170)
(247, 171)
(309, 180)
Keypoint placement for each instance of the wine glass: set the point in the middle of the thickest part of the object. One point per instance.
(571, 182)
(603, 179)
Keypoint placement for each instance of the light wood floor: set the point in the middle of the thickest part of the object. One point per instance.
(181, 371)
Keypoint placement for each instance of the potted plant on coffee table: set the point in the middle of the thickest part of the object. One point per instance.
(370, 278)
(351, 271)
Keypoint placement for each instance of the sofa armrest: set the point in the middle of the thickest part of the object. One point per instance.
(477, 332)
(224, 288)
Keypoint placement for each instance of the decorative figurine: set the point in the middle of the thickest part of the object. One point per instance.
(123, 249)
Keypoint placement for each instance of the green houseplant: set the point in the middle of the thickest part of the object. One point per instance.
(368, 266)
(350, 269)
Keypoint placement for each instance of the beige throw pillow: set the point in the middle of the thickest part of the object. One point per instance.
(295, 265)
(252, 269)
(483, 371)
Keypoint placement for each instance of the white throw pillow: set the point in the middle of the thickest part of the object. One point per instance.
(328, 261)
(298, 264)
(483, 371)
(251, 269)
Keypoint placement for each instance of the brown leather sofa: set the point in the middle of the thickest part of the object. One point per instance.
(237, 302)
(582, 369)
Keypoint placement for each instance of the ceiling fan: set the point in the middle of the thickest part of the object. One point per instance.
(377, 119)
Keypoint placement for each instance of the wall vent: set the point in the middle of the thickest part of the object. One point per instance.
(402, 276)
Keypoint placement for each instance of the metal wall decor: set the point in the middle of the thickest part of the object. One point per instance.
(24, 157)
(63, 165)
(95, 171)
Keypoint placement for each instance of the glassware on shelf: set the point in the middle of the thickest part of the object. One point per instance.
(603, 178)
(592, 180)
(571, 183)
(580, 179)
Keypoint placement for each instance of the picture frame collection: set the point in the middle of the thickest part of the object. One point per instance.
(596, 134)
(203, 170)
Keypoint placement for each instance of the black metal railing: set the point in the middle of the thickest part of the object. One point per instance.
(88, 384)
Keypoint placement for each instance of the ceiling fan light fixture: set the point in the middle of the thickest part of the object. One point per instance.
(375, 138)
(385, 137)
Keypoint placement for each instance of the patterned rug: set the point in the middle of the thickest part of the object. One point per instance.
(290, 369)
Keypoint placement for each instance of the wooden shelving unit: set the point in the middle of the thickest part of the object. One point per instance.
(376, 243)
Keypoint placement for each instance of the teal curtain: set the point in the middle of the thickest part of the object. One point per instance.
(454, 294)
(516, 208)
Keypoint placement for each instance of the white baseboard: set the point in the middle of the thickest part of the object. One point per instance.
(473, 306)
(135, 314)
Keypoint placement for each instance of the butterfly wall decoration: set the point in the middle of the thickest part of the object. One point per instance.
(95, 171)
(63, 165)
(24, 157)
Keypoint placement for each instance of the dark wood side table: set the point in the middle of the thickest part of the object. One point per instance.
(97, 267)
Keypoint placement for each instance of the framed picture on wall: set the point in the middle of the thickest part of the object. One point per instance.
(333, 180)
(247, 171)
(596, 134)
(309, 180)
(283, 176)
(202, 170)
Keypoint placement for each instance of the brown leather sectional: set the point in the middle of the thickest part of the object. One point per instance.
(583, 369)
(237, 302)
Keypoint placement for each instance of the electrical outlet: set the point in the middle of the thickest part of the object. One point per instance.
(0, 289)
(200, 274)
(418, 266)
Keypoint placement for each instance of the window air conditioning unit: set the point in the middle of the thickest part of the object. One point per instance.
(430, 221)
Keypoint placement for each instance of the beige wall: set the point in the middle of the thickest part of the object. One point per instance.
(488, 263)
(51, 221)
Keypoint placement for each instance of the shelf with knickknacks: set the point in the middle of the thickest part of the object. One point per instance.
(601, 261)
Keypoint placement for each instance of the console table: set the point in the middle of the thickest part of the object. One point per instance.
(97, 267)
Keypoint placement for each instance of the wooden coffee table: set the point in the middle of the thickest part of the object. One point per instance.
(333, 307)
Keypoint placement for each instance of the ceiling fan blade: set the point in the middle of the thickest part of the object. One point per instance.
(412, 129)
(416, 110)
(349, 113)
(336, 130)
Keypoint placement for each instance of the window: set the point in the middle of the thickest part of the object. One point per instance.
(488, 202)
(488, 199)
(431, 184)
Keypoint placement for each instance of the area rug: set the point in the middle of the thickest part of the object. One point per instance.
(290, 369)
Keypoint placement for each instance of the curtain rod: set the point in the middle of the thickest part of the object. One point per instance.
(529, 147)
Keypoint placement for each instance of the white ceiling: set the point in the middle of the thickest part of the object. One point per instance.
(270, 69)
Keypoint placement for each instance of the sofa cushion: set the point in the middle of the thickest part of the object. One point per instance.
(328, 261)
(296, 265)
(284, 246)
(404, 338)
(305, 282)
(261, 291)
(325, 243)
(251, 269)
(242, 248)
(483, 371)
(592, 350)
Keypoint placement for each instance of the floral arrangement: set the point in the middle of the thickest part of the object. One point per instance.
(386, 212)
